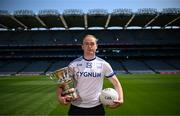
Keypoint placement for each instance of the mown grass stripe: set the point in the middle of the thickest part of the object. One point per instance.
(144, 95)
(45, 106)
(24, 99)
(22, 103)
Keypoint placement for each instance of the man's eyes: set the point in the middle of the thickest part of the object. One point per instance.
(89, 44)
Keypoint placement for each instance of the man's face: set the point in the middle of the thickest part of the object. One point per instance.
(89, 45)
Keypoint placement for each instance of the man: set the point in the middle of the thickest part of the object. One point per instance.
(89, 73)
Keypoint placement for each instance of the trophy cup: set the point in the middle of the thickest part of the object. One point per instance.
(64, 77)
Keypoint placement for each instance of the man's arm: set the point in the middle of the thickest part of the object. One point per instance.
(118, 88)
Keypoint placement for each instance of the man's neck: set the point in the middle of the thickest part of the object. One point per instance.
(89, 57)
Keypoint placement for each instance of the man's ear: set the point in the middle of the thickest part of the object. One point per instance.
(96, 46)
(82, 47)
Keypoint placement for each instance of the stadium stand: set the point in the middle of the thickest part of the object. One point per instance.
(35, 68)
(160, 67)
(134, 66)
(34, 44)
(57, 65)
(174, 63)
(124, 37)
(105, 37)
(12, 67)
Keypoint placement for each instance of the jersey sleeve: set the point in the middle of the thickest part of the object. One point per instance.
(108, 70)
(73, 68)
(71, 65)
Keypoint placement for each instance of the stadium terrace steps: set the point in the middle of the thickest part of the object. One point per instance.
(105, 37)
(174, 63)
(160, 66)
(128, 51)
(135, 66)
(121, 67)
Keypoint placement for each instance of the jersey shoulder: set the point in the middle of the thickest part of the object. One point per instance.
(105, 63)
(101, 60)
(76, 60)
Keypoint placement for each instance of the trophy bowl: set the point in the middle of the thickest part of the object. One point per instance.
(64, 77)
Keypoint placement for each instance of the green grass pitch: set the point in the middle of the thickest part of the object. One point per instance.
(144, 94)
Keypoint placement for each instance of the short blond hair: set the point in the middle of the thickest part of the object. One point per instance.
(89, 35)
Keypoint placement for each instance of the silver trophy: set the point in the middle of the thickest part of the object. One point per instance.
(64, 77)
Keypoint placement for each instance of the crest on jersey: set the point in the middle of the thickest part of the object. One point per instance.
(89, 65)
(99, 65)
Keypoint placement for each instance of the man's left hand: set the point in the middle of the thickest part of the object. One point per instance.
(116, 104)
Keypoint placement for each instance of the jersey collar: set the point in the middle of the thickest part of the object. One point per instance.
(89, 59)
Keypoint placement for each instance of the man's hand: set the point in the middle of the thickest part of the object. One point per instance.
(64, 99)
(117, 85)
(116, 104)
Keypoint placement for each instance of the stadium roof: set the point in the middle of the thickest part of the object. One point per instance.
(75, 18)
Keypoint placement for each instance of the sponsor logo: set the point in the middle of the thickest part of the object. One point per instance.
(79, 64)
(88, 74)
(108, 97)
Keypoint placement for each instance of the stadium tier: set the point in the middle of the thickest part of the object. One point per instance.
(160, 66)
(135, 66)
(128, 51)
(146, 41)
(105, 37)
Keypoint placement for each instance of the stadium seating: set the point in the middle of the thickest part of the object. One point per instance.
(12, 67)
(57, 65)
(30, 47)
(146, 41)
(161, 67)
(35, 68)
(121, 37)
(5, 38)
(173, 62)
(135, 66)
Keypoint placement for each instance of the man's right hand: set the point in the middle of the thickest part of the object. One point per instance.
(64, 99)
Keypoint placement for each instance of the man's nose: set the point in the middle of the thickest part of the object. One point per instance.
(89, 45)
